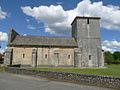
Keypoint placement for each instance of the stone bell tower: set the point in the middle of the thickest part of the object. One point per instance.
(86, 31)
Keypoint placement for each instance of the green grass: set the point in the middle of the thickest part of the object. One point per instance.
(1, 69)
(111, 70)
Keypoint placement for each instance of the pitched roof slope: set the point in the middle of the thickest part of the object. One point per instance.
(43, 41)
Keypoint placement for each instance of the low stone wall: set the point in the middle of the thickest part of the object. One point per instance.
(103, 81)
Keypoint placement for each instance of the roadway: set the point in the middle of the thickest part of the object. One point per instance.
(21, 82)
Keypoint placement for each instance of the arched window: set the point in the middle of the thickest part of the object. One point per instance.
(90, 57)
(68, 56)
(45, 56)
(23, 55)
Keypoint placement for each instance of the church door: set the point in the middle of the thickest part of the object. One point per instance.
(56, 59)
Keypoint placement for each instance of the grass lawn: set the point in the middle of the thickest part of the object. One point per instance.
(111, 70)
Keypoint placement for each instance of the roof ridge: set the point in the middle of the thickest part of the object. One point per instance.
(43, 36)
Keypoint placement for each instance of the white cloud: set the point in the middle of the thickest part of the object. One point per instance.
(2, 51)
(3, 14)
(31, 27)
(57, 20)
(3, 36)
(111, 45)
(54, 17)
(24, 34)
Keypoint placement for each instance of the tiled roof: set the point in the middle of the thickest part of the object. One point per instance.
(43, 41)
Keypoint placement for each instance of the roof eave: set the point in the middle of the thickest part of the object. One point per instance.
(84, 17)
(13, 45)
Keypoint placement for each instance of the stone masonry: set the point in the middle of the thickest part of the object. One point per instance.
(87, 34)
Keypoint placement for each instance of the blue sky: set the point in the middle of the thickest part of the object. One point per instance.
(53, 18)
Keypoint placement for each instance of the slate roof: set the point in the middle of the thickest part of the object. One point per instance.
(43, 41)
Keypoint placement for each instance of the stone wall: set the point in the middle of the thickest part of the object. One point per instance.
(45, 56)
(8, 57)
(104, 81)
(22, 55)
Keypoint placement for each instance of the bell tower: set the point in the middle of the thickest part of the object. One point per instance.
(86, 31)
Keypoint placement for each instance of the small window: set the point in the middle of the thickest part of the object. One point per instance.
(57, 55)
(68, 56)
(89, 57)
(88, 21)
(23, 55)
(45, 56)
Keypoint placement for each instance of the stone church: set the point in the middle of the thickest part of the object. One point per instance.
(83, 49)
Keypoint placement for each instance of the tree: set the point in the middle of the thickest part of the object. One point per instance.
(116, 56)
(1, 58)
(109, 57)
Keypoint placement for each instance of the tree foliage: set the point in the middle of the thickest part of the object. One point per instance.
(108, 58)
(112, 58)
